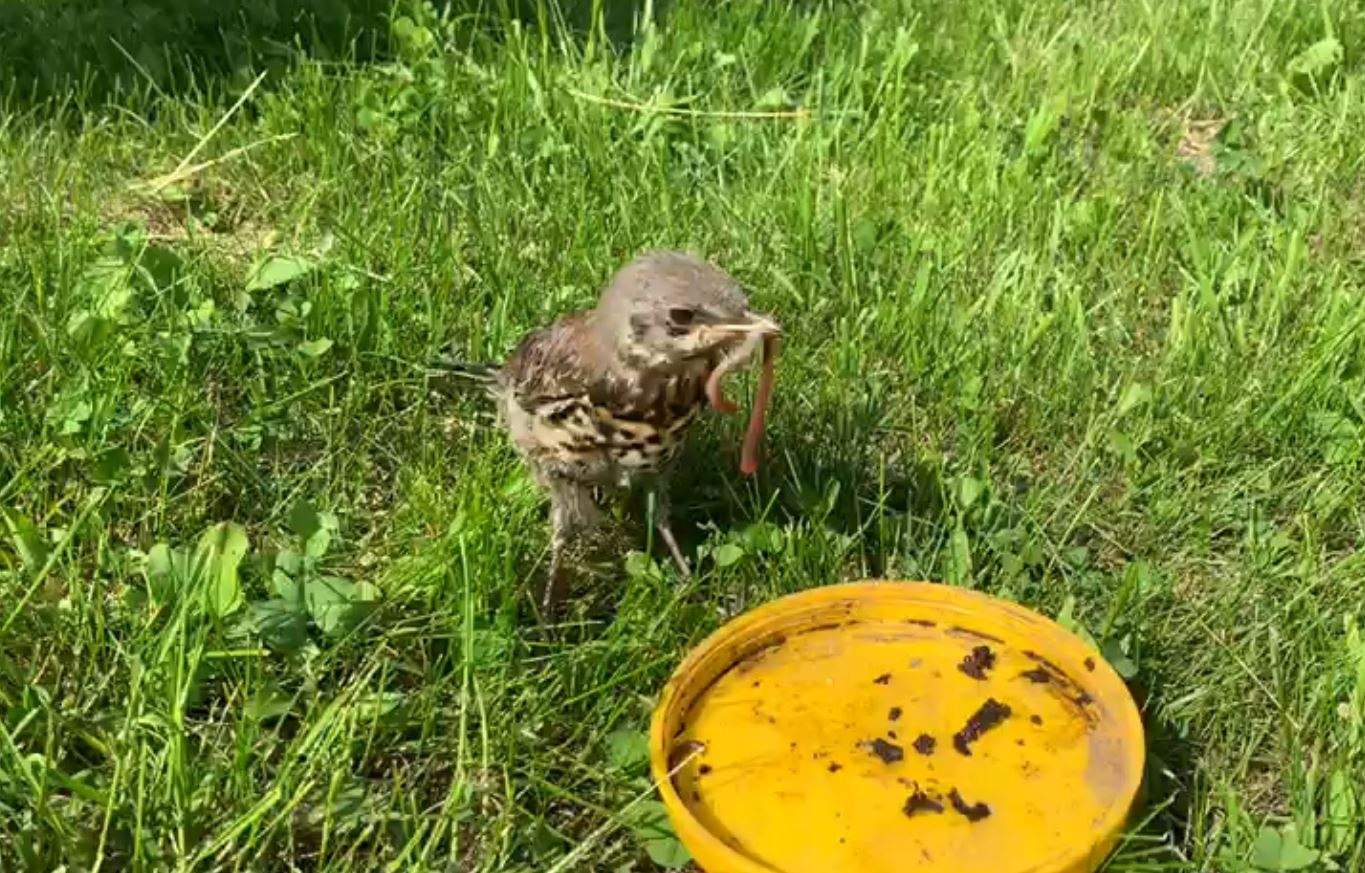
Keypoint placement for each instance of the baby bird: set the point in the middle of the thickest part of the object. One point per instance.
(604, 398)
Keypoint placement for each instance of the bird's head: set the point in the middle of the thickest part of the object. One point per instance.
(667, 308)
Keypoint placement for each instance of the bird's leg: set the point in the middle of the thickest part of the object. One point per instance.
(572, 511)
(663, 505)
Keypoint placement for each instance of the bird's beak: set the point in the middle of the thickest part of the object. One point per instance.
(753, 323)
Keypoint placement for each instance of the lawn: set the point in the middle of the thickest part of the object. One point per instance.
(1074, 302)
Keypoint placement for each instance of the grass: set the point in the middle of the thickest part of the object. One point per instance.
(1074, 295)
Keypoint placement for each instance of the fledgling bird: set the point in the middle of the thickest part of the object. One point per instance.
(604, 398)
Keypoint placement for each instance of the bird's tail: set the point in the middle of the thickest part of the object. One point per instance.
(488, 377)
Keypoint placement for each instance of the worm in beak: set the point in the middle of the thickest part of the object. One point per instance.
(758, 330)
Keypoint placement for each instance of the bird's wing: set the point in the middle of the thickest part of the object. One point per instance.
(562, 366)
(558, 363)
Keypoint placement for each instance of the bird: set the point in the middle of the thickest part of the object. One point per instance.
(603, 399)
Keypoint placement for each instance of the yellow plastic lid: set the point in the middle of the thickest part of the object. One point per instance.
(893, 726)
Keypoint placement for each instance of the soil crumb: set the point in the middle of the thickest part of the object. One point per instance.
(924, 744)
(978, 662)
(989, 715)
(884, 679)
(895, 713)
(1036, 719)
(920, 802)
(969, 811)
(888, 753)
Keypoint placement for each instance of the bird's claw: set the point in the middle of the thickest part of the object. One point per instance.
(684, 569)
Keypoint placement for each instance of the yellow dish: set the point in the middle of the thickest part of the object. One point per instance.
(896, 726)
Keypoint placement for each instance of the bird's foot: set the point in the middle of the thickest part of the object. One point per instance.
(684, 568)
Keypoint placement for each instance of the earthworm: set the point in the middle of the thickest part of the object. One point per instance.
(748, 461)
(739, 356)
(748, 456)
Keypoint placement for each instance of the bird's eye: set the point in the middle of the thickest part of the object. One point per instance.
(681, 316)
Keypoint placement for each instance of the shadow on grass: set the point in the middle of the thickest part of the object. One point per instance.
(829, 472)
(86, 52)
(1162, 816)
